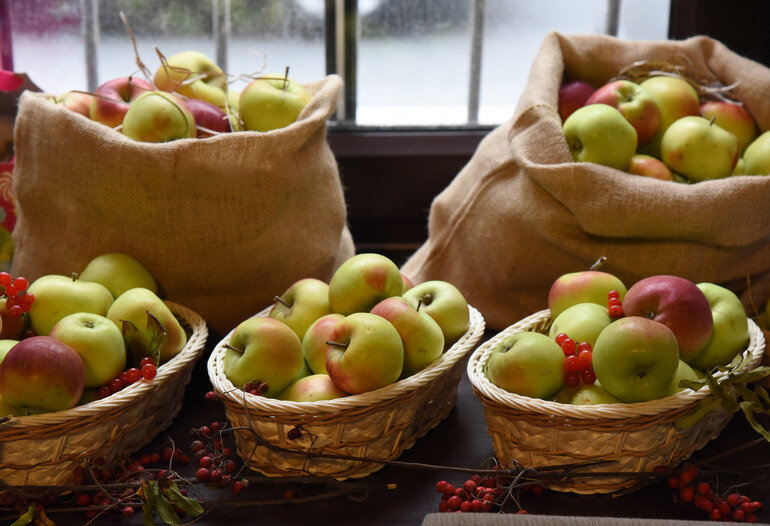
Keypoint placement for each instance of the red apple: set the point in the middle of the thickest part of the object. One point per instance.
(676, 303)
(634, 103)
(209, 116)
(733, 118)
(42, 373)
(648, 166)
(111, 100)
(573, 95)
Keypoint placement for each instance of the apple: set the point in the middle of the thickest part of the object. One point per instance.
(648, 166)
(699, 149)
(7, 409)
(740, 167)
(678, 304)
(312, 389)
(634, 103)
(5, 346)
(635, 359)
(157, 116)
(421, 336)
(364, 353)
(527, 363)
(582, 322)
(42, 373)
(59, 296)
(264, 350)
(676, 98)
(362, 282)
(314, 342)
(302, 304)
(111, 100)
(304, 371)
(135, 304)
(445, 304)
(600, 134)
(208, 116)
(588, 286)
(194, 75)
(407, 282)
(731, 328)
(98, 342)
(10, 327)
(733, 118)
(118, 273)
(683, 372)
(76, 101)
(757, 156)
(573, 95)
(272, 102)
(586, 394)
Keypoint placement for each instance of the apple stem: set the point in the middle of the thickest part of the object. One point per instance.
(74, 276)
(228, 346)
(285, 79)
(282, 302)
(419, 304)
(598, 263)
(337, 344)
(711, 122)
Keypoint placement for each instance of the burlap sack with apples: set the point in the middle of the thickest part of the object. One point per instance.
(521, 213)
(223, 223)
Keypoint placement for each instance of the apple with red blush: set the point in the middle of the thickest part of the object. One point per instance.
(634, 103)
(732, 117)
(589, 286)
(208, 116)
(111, 100)
(314, 342)
(648, 166)
(572, 96)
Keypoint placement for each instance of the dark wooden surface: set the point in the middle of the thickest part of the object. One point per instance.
(460, 440)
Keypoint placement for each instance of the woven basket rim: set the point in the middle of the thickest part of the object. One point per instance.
(492, 394)
(403, 387)
(190, 353)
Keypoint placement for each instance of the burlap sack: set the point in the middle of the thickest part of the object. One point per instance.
(521, 213)
(223, 223)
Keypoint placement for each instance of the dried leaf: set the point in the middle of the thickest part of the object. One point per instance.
(190, 505)
(148, 508)
(706, 405)
(748, 411)
(143, 343)
(26, 518)
(165, 509)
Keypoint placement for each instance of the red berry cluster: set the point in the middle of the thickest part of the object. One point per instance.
(128, 377)
(214, 464)
(256, 388)
(614, 306)
(477, 494)
(18, 299)
(578, 361)
(731, 507)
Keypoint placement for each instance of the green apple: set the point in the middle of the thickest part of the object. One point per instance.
(5, 346)
(135, 304)
(600, 134)
(698, 149)
(42, 374)
(445, 304)
(421, 336)
(98, 342)
(582, 322)
(157, 116)
(589, 286)
(676, 98)
(757, 156)
(60, 296)
(263, 350)
(586, 394)
(302, 304)
(730, 335)
(362, 282)
(272, 102)
(314, 342)
(312, 389)
(740, 167)
(527, 363)
(683, 372)
(634, 103)
(119, 273)
(194, 75)
(304, 371)
(364, 353)
(635, 359)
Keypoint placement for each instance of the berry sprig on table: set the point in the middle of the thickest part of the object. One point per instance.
(18, 300)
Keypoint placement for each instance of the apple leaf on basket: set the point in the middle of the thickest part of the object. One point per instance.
(148, 342)
(25, 518)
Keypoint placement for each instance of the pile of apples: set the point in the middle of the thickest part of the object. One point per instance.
(80, 334)
(662, 330)
(660, 128)
(366, 329)
(189, 97)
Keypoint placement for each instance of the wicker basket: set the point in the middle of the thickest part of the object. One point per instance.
(45, 449)
(637, 437)
(378, 424)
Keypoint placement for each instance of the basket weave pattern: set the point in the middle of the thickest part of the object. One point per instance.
(637, 437)
(378, 424)
(44, 449)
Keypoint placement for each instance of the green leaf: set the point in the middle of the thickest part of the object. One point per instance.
(148, 508)
(165, 509)
(190, 505)
(750, 396)
(750, 376)
(762, 392)
(695, 385)
(156, 336)
(26, 518)
(706, 405)
(143, 343)
(748, 411)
